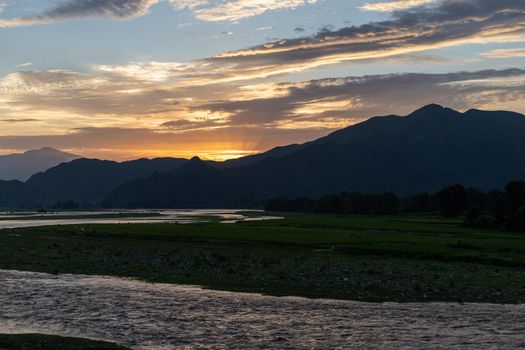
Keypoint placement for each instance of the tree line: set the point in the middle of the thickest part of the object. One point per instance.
(497, 208)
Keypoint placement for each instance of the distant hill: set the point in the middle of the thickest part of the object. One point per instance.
(431, 148)
(21, 166)
(81, 180)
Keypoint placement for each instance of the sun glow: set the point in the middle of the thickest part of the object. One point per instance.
(213, 154)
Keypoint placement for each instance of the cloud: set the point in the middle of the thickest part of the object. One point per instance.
(505, 53)
(125, 143)
(450, 23)
(71, 9)
(232, 120)
(148, 71)
(343, 101)
(410, 32)
(390, 6)
(22, 65)
(27, 120)
(205, 10)
(228, 101)
(240, 9)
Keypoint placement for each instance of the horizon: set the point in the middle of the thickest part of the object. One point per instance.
(127, 79)
(74, 152)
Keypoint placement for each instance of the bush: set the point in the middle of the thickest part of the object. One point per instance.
(472, 215)
(452, 200)
(517, 221)
(486, 221)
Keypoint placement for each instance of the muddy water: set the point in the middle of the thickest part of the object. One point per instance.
(159, 316)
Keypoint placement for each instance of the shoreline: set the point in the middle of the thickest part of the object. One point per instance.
(203, 288)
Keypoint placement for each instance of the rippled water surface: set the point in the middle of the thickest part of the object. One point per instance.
(32, 219)
(160, 316)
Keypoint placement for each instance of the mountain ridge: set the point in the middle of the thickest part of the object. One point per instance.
(20, 166)
(424, 151)
(82, 180)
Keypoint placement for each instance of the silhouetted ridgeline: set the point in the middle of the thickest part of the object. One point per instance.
(21, 166)
(422, 152)
(481, 209)
(84, 181)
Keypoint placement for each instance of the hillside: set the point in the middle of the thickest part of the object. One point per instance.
(424, 151)
(82, 180)
(21, 166)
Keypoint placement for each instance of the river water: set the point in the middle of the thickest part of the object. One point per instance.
(160, 316)
(34, 219)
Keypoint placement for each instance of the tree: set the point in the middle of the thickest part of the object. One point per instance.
(514, 196)
(517, 220)
(421, 203)
(452, 200)
(472, 215)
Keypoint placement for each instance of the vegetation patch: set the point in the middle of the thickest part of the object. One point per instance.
(386, 258)
(48, 342)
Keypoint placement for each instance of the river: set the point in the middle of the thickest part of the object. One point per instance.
(161, 316)
(33, 219)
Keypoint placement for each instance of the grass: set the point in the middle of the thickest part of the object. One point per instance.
(48, 342)
(398, 258)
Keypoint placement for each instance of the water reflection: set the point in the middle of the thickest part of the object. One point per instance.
(160, 316)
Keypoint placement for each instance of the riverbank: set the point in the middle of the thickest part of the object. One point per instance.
(403, 259)
(48, 342)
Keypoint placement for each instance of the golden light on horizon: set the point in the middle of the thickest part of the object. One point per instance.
(126, 155)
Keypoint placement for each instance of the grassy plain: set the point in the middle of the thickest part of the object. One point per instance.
(397, 258)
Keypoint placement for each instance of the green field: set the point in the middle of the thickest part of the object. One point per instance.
(398, 258)
(47, 342)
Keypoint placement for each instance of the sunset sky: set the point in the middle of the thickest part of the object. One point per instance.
(122, 79)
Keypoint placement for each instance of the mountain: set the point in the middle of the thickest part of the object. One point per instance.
(15, 194)
(81, 180)
(22, 166)
(431, 148)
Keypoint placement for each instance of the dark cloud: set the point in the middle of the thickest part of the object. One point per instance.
(115, 9)
(451, 22)
(104, 8)
(453, 10)
(376, 94)
(19, 120)
(188, 124)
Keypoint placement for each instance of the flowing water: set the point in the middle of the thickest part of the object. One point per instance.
(32, 219)
(161, 316)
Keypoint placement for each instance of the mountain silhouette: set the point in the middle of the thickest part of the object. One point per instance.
(21, 166)
(431, 148)
(81, 180)
(425, 151)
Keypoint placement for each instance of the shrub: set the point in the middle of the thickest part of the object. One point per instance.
(517, 221)
(486, 221)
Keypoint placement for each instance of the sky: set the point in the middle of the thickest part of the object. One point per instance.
(124, 79)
